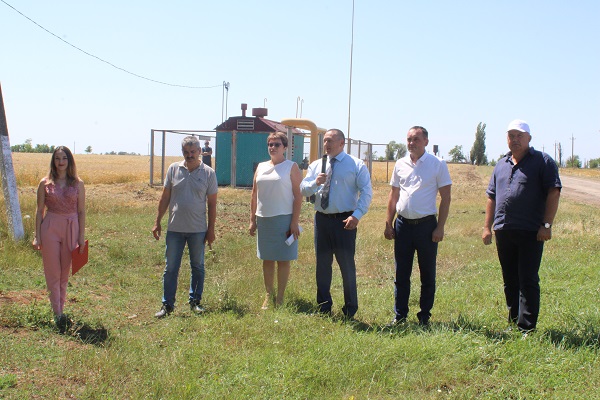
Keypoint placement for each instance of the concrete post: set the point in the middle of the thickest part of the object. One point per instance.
(9, 182)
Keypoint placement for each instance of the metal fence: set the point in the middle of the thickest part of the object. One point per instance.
(163, 132)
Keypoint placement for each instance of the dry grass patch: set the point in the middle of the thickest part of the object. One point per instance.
(92, 168)
(582, 172)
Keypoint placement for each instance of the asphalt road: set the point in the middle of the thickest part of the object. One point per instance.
(582, 190)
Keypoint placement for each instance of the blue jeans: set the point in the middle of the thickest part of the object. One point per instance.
(411, 238)
(173, 253)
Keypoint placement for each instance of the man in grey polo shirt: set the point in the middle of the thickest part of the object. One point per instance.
(190, 188)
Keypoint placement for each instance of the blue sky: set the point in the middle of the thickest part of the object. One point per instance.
(443, 65)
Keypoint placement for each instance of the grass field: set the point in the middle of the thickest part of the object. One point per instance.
(116, 349)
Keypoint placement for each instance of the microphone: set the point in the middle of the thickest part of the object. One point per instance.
(324, 164)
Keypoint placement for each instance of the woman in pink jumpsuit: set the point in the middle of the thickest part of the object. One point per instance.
(59, 226)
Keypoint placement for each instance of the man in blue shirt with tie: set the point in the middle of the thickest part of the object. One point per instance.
(342, 196)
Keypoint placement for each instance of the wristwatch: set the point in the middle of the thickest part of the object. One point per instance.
(547, 225)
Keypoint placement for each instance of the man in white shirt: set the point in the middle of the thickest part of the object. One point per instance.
(416, 180)
(342, 196)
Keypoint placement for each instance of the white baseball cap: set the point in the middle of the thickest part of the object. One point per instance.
(518, 125)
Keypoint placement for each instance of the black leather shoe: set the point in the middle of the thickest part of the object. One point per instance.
(164, 311)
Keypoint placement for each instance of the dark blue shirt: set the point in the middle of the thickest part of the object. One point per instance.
(207, 159)
(520, 190)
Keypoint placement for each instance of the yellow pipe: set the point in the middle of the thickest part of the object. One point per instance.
(314, 133)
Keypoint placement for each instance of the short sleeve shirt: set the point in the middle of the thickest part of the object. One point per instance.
(189, 191)
(419, 184)
(520, 190)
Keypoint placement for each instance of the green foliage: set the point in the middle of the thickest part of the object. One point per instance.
(116, 349)
(594, 163)
(28, 148)
(574, 162)
(478, 156)
(456, 155)
(395, 151)
(8, 381)
(88, 149)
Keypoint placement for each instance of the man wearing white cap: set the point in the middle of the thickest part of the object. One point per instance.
(523, 196)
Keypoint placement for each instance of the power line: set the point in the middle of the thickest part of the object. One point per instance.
(108, 62)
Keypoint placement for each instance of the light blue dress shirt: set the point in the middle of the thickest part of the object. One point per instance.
(350, 186)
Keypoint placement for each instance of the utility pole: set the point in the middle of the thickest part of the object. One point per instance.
(224, 101)
(572, 151)
(9, 182)
(348, 145)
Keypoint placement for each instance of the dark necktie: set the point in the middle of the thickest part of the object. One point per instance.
(325, 192)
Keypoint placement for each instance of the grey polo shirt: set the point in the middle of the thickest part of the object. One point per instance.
(187, 207)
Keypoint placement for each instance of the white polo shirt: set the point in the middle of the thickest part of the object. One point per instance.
(419, 184)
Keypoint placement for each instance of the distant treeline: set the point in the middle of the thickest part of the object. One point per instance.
(121, 153)
(28, 148)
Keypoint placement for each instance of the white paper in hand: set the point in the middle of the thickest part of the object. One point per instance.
(291, 239)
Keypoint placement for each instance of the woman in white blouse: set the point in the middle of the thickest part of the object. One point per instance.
(275, 210)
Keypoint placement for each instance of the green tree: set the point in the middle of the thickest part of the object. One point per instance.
(394, 151)
(43, 148)
(456, 154)
(594, 163)
(373, 155)
(401, 152)
(390, 150)
(28, 148)
(574, 162)
(88, 149)
(478, 156)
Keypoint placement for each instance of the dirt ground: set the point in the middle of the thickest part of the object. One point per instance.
(580, 189)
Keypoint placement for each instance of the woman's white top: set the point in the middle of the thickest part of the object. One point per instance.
(275, 196)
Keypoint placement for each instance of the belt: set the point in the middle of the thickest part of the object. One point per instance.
(71, 236)
(342, 215)
(416, 221)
